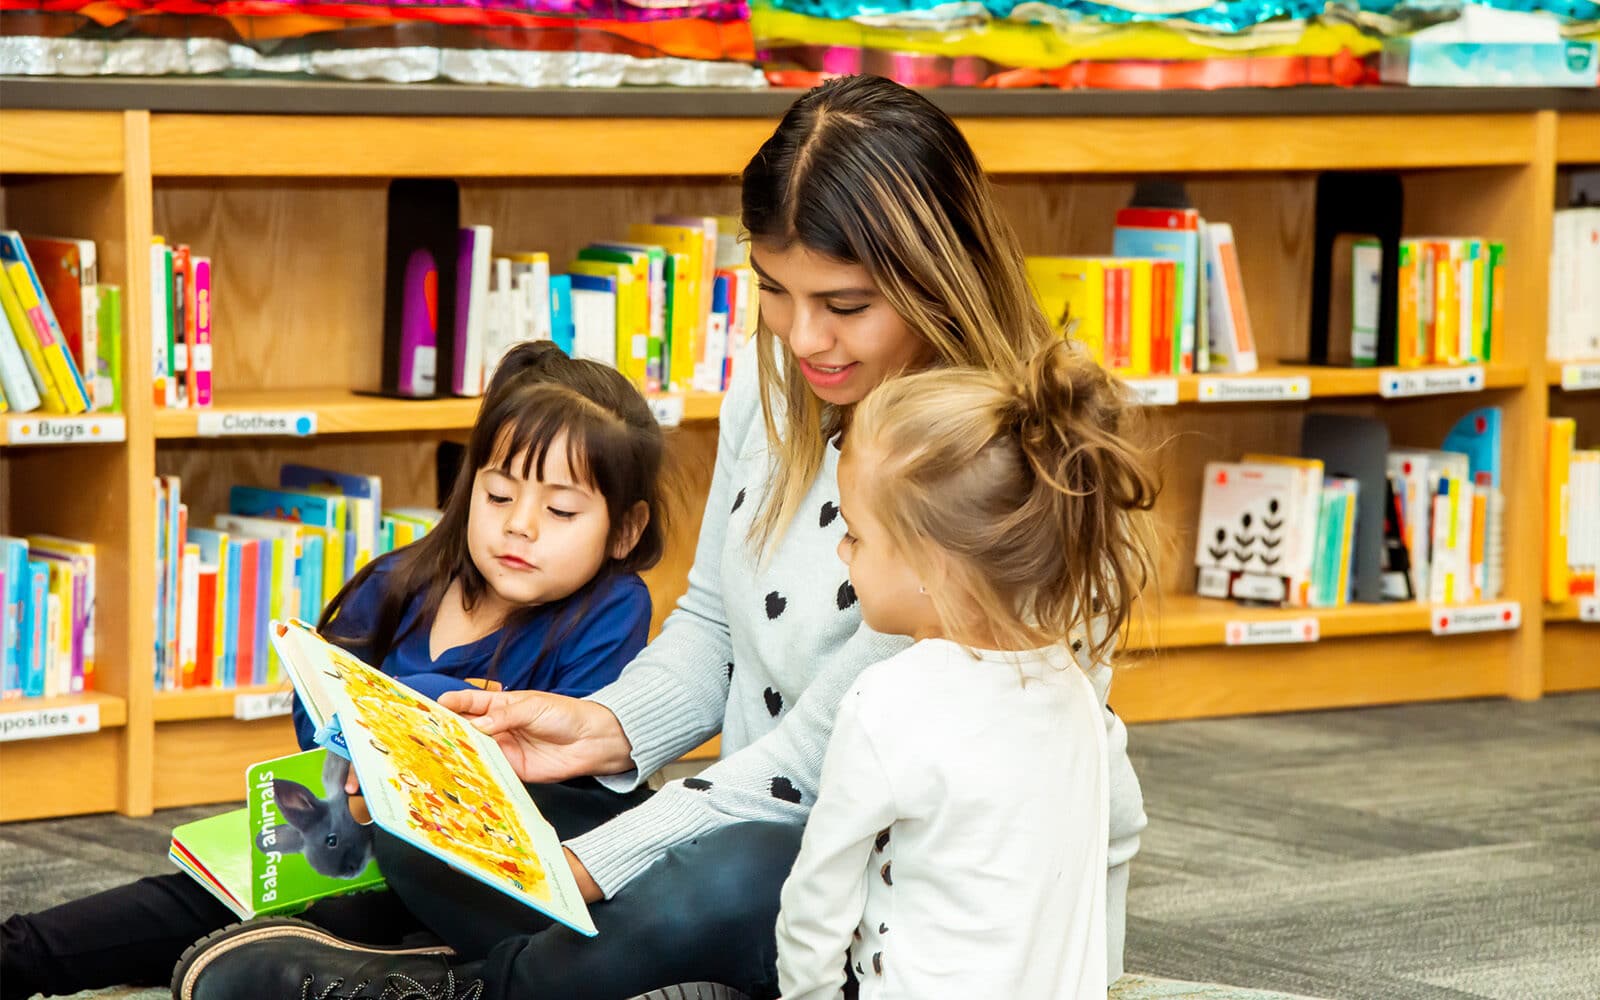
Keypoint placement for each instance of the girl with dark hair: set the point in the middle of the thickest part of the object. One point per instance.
(880, 250)
(529, 580)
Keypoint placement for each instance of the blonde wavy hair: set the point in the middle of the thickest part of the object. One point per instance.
(868, 172)
(1029, 486)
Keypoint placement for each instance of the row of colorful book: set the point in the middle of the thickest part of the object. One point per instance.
(1575, 284)
(1452, 301)
(181, 313)
(47, 630)
(1280, 530)
(667, 306)
(1572, 521)
(60, 328)
(277, 553)
(1168, 301)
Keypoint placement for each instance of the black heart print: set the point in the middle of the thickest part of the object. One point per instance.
(774, 702)
(776, 602)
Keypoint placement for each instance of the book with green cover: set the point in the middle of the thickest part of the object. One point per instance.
(296, 840)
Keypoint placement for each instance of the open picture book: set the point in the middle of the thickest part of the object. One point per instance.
(427, 777)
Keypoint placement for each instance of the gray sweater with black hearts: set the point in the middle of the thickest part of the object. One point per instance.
(761, 651)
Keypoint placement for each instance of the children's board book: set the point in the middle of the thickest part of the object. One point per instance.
(430, 778)
(294, 842)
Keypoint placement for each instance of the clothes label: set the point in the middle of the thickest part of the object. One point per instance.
(37, 723)
(267, 423)
(1268, 633)
(1399, 382)
(1589, 609)
(1249, 389)
(1502, 617)
(66, 430)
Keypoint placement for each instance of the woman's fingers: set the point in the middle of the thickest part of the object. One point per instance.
(469, 701)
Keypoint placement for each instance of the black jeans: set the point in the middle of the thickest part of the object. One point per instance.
(706, 911)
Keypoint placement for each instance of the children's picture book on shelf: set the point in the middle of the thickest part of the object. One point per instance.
(430, 778)
(294, 842)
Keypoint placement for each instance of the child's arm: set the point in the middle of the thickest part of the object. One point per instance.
(826, 892)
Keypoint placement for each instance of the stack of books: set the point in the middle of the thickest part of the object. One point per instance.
(60, 328)
(667, 304)
(47, 631)
(1575, 285)
(1169, 301)
(277, 553)
(1572, 522)
(181, 312)
(1279, 530)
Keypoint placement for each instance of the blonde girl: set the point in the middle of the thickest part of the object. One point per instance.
(958, 843)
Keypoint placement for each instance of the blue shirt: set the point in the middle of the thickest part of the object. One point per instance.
(592, 654)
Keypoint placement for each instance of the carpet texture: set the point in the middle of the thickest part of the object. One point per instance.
(1430, 852)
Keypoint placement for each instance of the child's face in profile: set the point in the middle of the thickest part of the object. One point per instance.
(536, 540)
(890, 592)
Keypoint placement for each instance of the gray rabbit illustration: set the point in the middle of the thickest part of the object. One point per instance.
(333, 843)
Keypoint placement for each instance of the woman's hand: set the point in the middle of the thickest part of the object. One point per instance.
(547, 737)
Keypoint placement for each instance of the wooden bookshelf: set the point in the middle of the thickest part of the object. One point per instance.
(255, 185)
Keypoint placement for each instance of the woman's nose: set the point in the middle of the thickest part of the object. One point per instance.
(808, 333)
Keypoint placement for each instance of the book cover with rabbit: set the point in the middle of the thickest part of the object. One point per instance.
(306, 842)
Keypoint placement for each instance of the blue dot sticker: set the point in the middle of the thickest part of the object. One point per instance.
(302, 425)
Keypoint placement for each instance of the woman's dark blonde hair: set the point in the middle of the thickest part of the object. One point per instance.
(1028, 486)
(865, 171)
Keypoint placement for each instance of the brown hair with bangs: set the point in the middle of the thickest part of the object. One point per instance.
(1030, 487)
(537, 396)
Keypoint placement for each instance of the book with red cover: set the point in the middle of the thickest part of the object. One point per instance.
(249, 596)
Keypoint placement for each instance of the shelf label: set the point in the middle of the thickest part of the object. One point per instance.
(1394, 383)
(1581, 375)
(1154, 391)
(1270, 633)
(1505, 616)
(1250, 389)
(236, 423)
(667, 409)
(262, 704)
(1589, 608)
(67, 430)
(37, 723)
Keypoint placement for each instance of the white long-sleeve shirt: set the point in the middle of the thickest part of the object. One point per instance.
(957, 847)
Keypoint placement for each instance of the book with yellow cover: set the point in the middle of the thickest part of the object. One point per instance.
(27, 337)
(1557, 470)
(1071, 290)
(684, 348)
(430, 778)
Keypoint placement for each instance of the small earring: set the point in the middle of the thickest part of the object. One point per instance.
(922, 590)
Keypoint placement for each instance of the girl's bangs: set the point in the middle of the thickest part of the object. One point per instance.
(529, 431)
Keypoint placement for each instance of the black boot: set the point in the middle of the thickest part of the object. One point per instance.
(294, 960)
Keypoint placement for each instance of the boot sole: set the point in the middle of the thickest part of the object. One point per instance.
(694, 991)
(197, 957)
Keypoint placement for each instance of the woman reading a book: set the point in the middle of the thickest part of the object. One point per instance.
(880, 249)
(529, 581)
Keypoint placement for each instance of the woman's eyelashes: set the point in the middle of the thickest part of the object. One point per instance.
(847, 310)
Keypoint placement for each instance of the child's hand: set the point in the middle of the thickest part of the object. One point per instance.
(547, 737)
(354, 799)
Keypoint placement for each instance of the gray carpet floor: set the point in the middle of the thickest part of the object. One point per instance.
(1431, 852)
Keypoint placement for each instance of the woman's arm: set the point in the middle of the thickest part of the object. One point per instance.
(825, 894)
(773, 779)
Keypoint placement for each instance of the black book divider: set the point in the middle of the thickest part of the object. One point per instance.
(1357, 448)
(1365, 204)
(422, 243)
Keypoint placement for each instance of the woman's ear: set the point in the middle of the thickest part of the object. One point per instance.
(633, 524)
